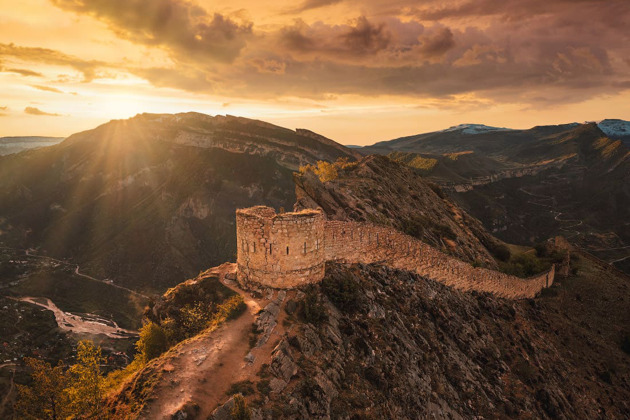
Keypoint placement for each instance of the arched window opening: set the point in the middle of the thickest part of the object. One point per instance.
(287, 250)
(304, 247)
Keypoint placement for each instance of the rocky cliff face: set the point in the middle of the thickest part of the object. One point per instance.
(388, 193)
(371, 342)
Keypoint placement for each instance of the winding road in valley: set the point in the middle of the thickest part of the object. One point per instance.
(77, 271)
(570, 228)
(557, 213)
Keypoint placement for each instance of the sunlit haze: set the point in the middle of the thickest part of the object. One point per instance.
(354, 71)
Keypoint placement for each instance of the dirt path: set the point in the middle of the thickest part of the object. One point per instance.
(202, 369)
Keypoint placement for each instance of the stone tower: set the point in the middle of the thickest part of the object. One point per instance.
(283, 250)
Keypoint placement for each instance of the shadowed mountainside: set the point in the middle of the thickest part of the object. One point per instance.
(528, 185)
(150, 200)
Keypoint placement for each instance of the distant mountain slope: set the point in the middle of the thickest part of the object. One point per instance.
(528, 185)
(150, 200)
(489, 141)
(452, 167)
(9, 145)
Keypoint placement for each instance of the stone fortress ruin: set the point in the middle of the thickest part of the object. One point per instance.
(288, 250)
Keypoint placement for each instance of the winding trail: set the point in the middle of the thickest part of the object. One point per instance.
(203, 368)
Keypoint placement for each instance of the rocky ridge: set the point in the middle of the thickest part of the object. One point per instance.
(381, 191)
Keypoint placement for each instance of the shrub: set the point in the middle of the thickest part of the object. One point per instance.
(524, 265)
(240, 411)
(152, 342)
(313, 310)
(245, 387)
(541, 249)
(326, 171)
(343, 291)
(263, 387)
(500, 251)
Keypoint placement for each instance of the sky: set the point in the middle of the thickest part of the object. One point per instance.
(355, 71)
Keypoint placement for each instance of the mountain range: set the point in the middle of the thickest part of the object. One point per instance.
(9, 145)
(527, 185)
(151, 200)
(106, 221)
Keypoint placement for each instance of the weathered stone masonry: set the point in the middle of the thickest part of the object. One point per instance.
(290, 249)
(280, 250)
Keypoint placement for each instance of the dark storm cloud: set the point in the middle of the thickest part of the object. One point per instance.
(437, 43)
(48, 56)
(358, 39)
(180, 26)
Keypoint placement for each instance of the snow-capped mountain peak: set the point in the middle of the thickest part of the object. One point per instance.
(474, 128)
(615, 128)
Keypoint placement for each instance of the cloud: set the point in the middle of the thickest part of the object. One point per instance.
(23, 72)
(184, 78)
(47, 88)
(36, 111)
(437, 43)
(493, 50)
(180, 26)
(54, 57)
(314, 4)
(359, 38)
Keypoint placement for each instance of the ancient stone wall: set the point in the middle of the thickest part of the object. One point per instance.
(280, 250)
(368, 243)
(290, 249)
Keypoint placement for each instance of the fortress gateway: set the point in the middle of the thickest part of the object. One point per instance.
(288, 250)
